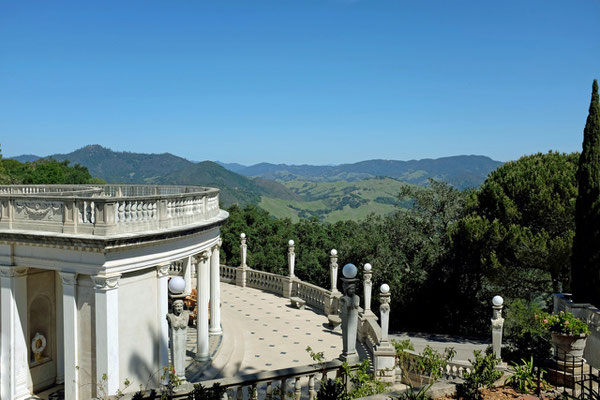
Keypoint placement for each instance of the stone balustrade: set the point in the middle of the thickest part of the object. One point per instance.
(103, 210)
(303, 382)
(452, 370)
(227, 274)
(314, 295)
(265, 281)
(372, 334)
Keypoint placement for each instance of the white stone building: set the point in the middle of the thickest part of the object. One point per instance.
(83, 281)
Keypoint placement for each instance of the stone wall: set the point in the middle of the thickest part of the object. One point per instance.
(591, 315)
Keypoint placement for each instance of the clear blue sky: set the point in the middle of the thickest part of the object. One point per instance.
(297, 81)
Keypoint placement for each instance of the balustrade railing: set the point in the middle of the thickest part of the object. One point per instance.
(313, 295)
(296, 382)
(227, 274)
(104, 209)
(265, 281)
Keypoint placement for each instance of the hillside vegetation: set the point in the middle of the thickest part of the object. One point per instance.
(336, 201)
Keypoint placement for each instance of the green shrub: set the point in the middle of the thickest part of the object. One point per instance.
(525, 377)
(483, 374)
(364, 383)
(525, 336)
(332, 390)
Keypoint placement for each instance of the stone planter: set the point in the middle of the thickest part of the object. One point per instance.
(568, 348)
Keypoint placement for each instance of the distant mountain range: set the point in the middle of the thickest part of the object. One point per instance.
(460, 171)
(249, 184)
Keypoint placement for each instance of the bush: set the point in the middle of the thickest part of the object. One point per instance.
(526, 378)
(483, 374)
(332, 390)
(364, 383)
(525, 335)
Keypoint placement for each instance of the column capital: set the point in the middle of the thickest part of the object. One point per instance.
(203, 256)
(220, 242)
(105, 283)
(12, 272)
(163, 270)
(68, 278)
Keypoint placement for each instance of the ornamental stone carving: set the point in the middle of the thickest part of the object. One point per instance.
(162, 270)
(12, 272)
(39, 210)
(68, 278)
(106, 282)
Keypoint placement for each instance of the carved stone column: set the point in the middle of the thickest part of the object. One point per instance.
(497, 324)
(385, 354)
(203, 287)
(349, 314)
(70, 334)
(288, 282)
(14, 346)
(367, 313)
(107, 330)
(162, 273)
(215, 291)
(332, 302)
(240, 276)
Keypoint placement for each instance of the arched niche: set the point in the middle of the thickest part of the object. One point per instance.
(41, 321)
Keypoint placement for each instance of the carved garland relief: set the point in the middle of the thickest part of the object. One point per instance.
(39, 210)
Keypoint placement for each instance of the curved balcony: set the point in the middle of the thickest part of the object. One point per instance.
(105, 210)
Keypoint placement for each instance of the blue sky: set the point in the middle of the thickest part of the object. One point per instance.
(297, 81)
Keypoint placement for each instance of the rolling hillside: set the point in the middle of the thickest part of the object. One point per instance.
(460, 171)
(336, 201)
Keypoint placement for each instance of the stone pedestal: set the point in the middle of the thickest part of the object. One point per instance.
(288, 286)
(240, 276)
(385, 362)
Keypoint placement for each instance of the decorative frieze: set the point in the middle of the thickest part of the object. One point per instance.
(12, 272)
(39, 210)
(102, 282)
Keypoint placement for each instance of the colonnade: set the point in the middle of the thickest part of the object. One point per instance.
(15, 375)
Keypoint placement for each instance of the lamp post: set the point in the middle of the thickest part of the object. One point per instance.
(385, 354)
(178, 321)
(497, 324)
(349, 314)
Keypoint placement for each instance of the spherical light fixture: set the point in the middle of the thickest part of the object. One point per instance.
(242, 235)
(177, 285)
(291, 243)
(497, 301)
(385, 288)
(367, 267)
(333, 252)
(349, 271)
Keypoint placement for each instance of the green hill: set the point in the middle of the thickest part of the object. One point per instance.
(336, 201)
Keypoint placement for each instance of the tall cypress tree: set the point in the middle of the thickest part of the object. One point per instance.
(586, 245)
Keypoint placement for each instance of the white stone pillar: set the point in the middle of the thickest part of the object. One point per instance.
(188, 269)
(367, 287)
(215, 291)
(60, 337)
(107, 330)
(240, 276)
(385, 354)
(202, 281)
(291, 258)
(162, 272)
(497, 324)
(333, 270)
(14, 343)
(69, 324)
(349, 314)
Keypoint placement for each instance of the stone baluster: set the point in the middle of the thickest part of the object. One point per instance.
(283, 388)
(269, 390)
(297, 389)
(349, 314)
(385, 354)
(497, 324)
(240, 276)
(311, 387)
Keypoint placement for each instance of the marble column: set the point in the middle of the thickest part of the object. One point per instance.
(215, 290)
(162, 273)
(240, 276)
(14, 345)
(70, 334)
(202, 287)
(188, 269)
(497, 325)
(107, 330)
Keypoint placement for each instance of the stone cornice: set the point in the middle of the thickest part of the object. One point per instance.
(104, 283)
(12, 272)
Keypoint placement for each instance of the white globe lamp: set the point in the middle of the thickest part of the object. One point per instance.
(384, 289)
(177, 285)
(497, 301)
(349, 271)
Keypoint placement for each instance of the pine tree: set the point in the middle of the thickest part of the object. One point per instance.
(586, 246)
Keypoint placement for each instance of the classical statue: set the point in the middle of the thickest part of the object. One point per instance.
(349, 304)
(178, 322)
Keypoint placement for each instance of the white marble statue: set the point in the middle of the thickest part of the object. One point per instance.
(178, 323)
